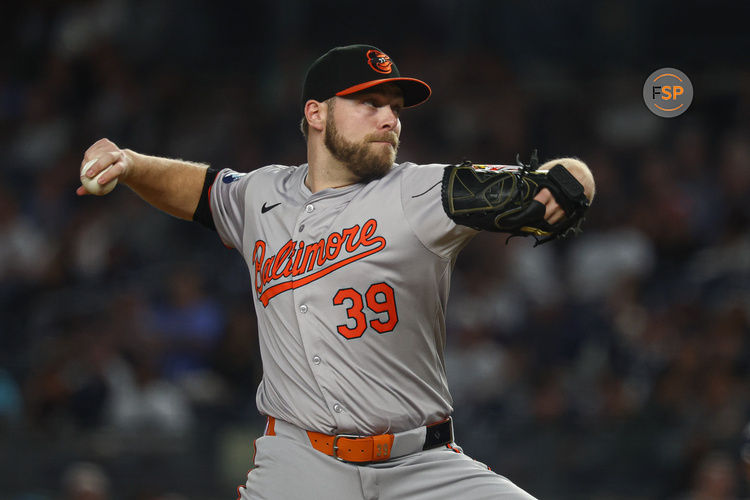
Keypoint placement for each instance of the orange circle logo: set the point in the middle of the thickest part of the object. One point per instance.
(379, 61)
(668, 92)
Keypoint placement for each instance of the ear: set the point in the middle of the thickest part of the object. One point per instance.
(316, 113)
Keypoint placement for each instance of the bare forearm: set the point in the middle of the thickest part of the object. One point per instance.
(579, 169)
(173, 186)
(553, 212)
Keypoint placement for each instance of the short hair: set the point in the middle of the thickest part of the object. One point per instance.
(305, 127)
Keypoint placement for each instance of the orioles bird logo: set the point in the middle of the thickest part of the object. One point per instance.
(379, 61)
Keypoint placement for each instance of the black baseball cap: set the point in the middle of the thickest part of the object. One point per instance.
(345, 70)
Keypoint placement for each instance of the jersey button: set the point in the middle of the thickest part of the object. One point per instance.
(338, 408)
(309, 208)
(303, 308)
(301, 227)
(316, 360)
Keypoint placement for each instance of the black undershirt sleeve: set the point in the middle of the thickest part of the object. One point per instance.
(202, 213)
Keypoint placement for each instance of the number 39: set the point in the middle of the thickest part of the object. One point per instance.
(379, 298)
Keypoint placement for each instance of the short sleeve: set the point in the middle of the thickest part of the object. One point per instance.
(228, 198)
(421, 187)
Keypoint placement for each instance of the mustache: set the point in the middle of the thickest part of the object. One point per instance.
(390, 137)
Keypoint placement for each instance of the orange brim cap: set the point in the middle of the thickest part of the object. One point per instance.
(346, 70)
(415, 91)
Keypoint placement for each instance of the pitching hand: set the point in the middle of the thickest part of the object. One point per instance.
(108, 157)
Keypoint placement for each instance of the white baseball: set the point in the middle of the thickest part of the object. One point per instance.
(92, 184)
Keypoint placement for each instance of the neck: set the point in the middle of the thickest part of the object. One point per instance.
(324, 171)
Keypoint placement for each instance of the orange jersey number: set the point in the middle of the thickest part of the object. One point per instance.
(379, 298)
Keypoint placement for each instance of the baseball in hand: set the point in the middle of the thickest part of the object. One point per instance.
(92, 184)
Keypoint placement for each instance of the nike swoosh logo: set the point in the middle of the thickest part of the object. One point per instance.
(265, 208)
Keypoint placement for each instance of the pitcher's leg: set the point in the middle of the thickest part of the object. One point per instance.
(288, 469)
(444, 473)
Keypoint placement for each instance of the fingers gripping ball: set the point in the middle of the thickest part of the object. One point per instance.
(92, 184)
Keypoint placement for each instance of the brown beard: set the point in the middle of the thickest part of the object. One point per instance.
(358, 157)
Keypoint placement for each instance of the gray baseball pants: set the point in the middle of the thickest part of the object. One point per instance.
(287, 467)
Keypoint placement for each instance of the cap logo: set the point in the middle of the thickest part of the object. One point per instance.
(379, 61)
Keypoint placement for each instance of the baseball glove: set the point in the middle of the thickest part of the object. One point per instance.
(501, 198)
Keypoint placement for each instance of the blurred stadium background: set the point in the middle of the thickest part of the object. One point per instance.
(612, 366)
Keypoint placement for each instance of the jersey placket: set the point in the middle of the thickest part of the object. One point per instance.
(313, 223)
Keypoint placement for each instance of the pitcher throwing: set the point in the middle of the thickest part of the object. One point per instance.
(350, 256)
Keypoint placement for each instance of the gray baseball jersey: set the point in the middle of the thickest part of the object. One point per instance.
(350, 288)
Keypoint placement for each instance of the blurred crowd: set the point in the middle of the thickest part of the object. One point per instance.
(615, 365)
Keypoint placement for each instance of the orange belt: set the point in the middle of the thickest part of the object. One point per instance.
(351, 448)
(363, 449)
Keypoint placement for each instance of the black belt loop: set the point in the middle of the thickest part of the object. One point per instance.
(439, 435)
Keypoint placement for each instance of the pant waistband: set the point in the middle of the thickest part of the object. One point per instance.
(366, 449)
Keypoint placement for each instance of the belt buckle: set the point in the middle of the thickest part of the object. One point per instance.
(336, 446)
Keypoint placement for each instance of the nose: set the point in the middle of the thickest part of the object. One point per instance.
(389, 119)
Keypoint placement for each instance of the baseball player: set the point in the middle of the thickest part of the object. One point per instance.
(350, 256)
